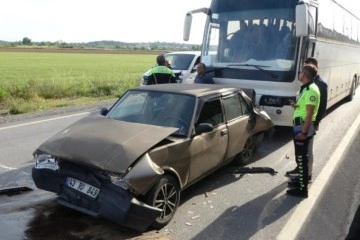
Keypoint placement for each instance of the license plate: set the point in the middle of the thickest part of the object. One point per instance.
(80, 186)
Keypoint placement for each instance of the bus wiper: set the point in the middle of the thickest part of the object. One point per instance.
(273, 75)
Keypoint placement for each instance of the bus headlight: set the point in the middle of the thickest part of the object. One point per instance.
(275, 101)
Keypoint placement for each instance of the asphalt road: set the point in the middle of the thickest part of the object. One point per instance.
(229, 204)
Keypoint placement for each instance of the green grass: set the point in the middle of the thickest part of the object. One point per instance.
(31, 81)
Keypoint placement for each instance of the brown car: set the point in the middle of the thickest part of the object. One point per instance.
(130, 163)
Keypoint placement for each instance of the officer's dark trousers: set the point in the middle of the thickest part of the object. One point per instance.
(301, 157)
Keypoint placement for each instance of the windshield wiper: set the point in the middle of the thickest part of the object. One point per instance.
(259, 67)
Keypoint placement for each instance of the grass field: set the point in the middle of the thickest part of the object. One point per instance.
(37, 80)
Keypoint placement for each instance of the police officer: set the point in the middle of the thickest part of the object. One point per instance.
(323, 88)
(161, 73)
(305, 111)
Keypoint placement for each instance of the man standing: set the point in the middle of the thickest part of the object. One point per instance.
(305, 112)
(202, 76)
(323, 88)
(161, 73)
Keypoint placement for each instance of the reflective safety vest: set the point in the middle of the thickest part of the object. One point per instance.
(309, 95)
(161, 74)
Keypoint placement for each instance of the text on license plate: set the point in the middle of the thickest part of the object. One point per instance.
(82, 187)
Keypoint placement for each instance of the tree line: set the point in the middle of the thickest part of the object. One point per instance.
(105, 44)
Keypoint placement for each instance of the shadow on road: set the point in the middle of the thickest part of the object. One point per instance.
(252, 216)
(52, 221)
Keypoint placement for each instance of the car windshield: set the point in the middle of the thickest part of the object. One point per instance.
(155, 108)
(179, 61)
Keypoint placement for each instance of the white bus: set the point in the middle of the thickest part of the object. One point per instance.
(261, 44)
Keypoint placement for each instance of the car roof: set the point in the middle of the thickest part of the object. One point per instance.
(196, 90)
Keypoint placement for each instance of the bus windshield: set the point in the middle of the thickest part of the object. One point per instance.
(256, 33)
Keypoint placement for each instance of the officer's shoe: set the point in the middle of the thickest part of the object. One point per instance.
(293, 184)
(296, 192)
(292, 172)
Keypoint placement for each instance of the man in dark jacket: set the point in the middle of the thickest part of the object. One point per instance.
(323, 87)
(202, 76)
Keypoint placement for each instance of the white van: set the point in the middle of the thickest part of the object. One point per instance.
(182, 63)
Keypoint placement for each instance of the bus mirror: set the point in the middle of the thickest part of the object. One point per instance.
(187, 26)
(302, 20)
(188, 20)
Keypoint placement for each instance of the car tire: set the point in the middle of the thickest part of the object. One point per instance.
(246, 155)
(166, 196)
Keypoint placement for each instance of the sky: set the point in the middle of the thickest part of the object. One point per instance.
(95, 20)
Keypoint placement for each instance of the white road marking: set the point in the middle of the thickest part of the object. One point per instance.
(291, 229)
(6, 167)
(46, 120)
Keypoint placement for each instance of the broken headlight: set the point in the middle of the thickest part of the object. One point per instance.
(118, 181)
(46, 161)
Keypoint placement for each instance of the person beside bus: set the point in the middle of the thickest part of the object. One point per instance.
(304, 116)
(202, 76)
(161, 73)
(323, 88)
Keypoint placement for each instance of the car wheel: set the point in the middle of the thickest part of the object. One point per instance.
(165, 195)
(246, 155)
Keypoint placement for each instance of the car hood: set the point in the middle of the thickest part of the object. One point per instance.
(107, 144)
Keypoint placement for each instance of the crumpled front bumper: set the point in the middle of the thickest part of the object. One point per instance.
(113, 202)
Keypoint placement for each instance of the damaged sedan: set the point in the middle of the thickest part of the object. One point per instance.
(130, 163)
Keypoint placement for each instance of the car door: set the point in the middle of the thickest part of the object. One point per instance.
(237, 114)
(208, 149)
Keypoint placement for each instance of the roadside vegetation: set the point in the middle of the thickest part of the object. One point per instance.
(37, 80)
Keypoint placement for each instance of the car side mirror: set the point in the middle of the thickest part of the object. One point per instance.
(203, 128)
(104, 111)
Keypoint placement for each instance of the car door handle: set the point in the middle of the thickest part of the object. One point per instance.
(224, 132)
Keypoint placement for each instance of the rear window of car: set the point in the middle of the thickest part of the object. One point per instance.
(235, 106)
(180, 61)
